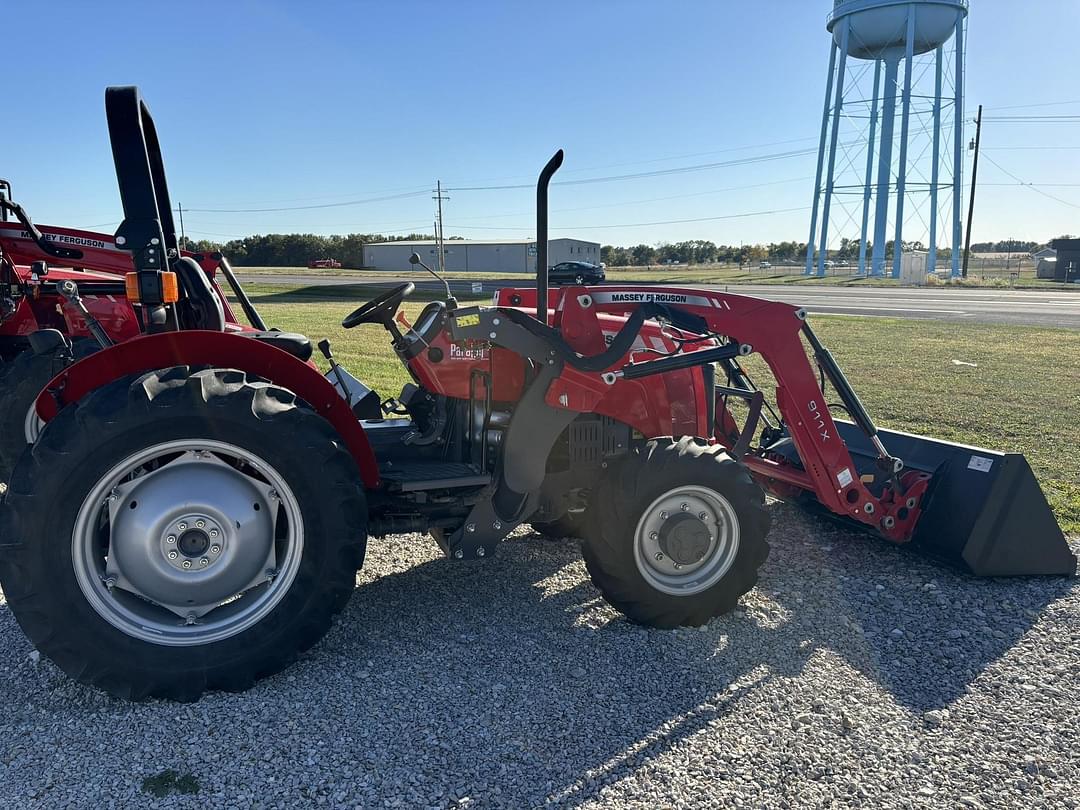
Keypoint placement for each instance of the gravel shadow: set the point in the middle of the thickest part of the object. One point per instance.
(508, 682)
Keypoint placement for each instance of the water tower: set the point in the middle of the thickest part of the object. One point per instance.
(913, 179)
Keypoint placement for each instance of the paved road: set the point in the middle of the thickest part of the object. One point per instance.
(1028, 307)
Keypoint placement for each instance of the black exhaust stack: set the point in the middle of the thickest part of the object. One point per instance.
(542, 235)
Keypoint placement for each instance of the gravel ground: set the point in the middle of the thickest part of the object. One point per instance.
(855, 675)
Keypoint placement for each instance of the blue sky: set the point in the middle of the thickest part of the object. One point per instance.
(280, 105)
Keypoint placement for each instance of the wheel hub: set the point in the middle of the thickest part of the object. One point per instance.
(193, 542)
(178, 536)
(684, 538)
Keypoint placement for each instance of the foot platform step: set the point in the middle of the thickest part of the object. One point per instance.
(413, 476)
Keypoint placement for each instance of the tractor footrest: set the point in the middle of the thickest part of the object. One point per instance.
(413, 476)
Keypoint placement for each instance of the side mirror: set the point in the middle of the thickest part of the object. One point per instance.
(414, 258)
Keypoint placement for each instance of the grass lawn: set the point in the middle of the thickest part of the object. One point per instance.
(1022, 395)
(701, 274)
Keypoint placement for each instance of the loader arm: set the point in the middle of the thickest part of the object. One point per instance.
(770, 329)
(979, 509)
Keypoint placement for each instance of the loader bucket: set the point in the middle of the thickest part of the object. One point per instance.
(984, 513)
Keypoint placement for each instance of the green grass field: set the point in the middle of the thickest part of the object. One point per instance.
(701, 274)
(1022, 394)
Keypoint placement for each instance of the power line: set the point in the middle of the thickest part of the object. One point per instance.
(1031, 186)
(645, 224)
(657, 173)
(402, 196)
(1039, 104)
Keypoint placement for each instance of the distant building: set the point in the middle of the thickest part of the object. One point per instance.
(479, 256)
(1045, 262)
(1067, 266)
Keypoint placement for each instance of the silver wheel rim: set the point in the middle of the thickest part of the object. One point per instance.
(32, 424)
(694, 507)
(187, 542)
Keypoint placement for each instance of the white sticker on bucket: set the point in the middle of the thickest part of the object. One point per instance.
(980, 463)
(844, 477)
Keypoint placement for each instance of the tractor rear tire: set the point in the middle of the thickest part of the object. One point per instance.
(677, 534)
(22, 381)
(206, 489)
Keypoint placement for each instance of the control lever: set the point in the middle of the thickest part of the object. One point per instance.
(324, 347)
(451, 302)
(70, 290)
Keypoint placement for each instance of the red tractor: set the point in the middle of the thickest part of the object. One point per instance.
(63, 296)
(199, 500)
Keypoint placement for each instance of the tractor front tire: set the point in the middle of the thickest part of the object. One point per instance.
(677, 535)
(569, 525)
(22, 381)
(181, 531)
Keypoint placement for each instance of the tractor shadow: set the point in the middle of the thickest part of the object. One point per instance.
(549, 684)
(510, 681)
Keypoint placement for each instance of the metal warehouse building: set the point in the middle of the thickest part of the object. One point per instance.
(479, 256)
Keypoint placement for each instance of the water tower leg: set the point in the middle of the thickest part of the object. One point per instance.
(905, 128)
(867, 187)
(820, 164)
(888, 124)
(935, 167)
(958, 148)
(838, 108)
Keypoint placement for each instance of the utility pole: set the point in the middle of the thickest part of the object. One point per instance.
(183, 237)
(971, 204)
(439, 236)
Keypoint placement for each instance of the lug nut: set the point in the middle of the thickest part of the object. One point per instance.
(459, 554)
(187, 563)
(659, 556)
(685, 507)
(703, 516)
(171, 538)
(181, 526)
(663, 515)
(214, 549)
(172, 555)
(911, 502)
(199, 524)
(213, 532)
(110, 582)
(654, 536)
(204, 561)
(480, 551)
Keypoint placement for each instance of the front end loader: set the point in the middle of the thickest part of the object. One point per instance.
(196, 505)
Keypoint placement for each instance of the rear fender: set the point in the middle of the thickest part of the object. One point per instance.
(220, 350)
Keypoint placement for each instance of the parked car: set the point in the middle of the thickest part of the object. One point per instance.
(324, 264)
(576, 273)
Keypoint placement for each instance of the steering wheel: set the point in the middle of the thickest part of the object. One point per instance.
(381, 309)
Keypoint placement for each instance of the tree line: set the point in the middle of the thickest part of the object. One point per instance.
(297, 249)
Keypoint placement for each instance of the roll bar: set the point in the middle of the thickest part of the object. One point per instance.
(147, 231)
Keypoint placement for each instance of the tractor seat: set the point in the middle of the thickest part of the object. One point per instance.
(295, 344)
